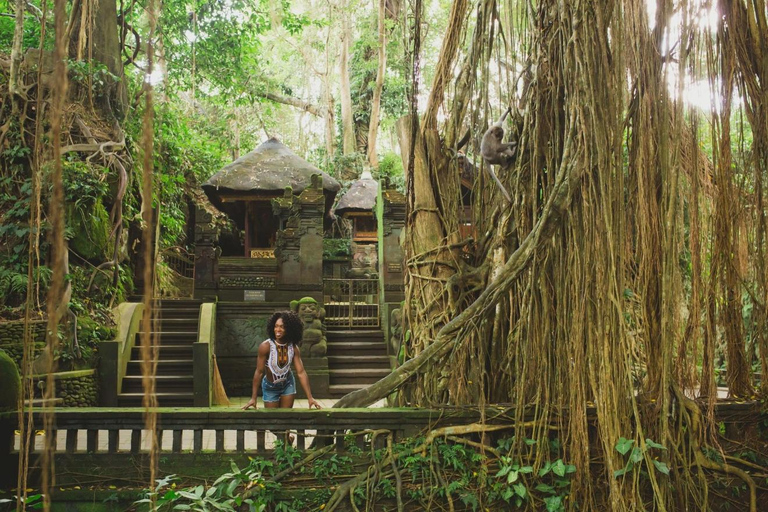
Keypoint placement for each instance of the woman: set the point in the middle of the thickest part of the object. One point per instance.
(273, 367)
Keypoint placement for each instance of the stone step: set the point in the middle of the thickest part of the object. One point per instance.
(357, 348)
(171, 303)
(191, 313)
(358, 361)
(169, 337)
(164, 367)
(339, 390)
(175, 324)
(163, 383)
(164, 399)
(359, 376)
(169, 351)
(355, 335)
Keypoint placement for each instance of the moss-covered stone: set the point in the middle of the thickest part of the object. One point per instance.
(10, 383)
(91, 230)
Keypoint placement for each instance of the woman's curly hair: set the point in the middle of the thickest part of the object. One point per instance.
(294, 328)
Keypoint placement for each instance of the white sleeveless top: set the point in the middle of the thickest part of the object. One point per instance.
(279, 373)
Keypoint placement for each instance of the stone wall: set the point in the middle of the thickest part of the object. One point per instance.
(13, 332)
(12, 338)
(76, 389)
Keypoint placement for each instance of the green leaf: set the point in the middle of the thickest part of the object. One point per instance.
(526, 469)
(546, 469)
(512, 477)
(554, 503)
(623, 445)
(624, 470)
(503, 471)
(661, 466)
(520, 490)
(637, 455)
(545, 488)
(653, 444)
(232, 486)
(570, 468)
(558, 467)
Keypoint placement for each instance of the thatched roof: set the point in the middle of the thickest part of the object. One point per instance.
(361, 195)
(267, 169)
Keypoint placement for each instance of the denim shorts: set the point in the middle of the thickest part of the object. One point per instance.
(273, 392)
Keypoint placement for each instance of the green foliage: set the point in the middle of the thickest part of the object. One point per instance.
(225, 494)
(335, 248)
(33, 502)
(336, 464)
(31, 32)
(518, 484)
(87, 220)
(391, 166)
(636, 455)
(91, 73)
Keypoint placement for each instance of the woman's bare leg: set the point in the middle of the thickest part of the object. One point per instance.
(286, 402)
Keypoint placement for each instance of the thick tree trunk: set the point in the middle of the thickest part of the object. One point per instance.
(94, 36)
(16, 56)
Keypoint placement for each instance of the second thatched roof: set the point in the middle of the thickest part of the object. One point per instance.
(361, 195)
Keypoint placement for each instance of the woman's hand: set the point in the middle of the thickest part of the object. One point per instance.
(251, 403)
(312, 402)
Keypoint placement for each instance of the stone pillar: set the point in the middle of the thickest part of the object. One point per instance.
(299, 248)
(206, 255)
(391, 211)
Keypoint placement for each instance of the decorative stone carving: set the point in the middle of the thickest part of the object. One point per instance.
(396, 331)
(312, 315)
(365, 262)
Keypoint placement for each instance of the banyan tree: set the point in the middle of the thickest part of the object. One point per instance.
(620, 273)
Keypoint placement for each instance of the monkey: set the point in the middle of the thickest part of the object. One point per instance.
(493, 150)
(467, 170)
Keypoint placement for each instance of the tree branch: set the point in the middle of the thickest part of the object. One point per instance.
(295, 102)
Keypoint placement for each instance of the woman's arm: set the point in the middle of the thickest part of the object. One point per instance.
(301, 373)
(261, 362)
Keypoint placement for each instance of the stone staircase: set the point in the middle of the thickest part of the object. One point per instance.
(356, 359)
(174, 331)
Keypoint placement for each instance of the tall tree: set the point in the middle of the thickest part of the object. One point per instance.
(347, 120)
(373, 128)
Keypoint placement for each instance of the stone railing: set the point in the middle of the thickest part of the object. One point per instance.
(114, 355)
(202, 352)
(114, 443)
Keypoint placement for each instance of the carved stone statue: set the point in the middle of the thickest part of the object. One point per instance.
(312, 314)
(396, 331)
(365, 262)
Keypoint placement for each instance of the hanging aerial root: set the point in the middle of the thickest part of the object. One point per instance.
(703, 462)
